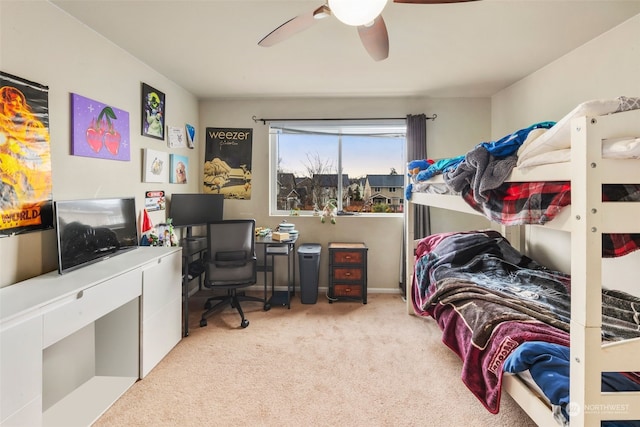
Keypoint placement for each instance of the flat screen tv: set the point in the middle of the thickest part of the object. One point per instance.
(91, 230)
(189, 210)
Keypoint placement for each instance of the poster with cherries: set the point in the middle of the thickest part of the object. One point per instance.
(99, 130)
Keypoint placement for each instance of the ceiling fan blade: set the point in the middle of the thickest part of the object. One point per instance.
(431, 1)
(294, 26)
(375, 38)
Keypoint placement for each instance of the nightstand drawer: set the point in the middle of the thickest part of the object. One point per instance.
(347, 273)
(347, 257)
(347, 291)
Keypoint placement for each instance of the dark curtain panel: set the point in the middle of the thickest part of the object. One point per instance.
(416, 149)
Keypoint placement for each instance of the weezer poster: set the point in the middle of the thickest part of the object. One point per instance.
(25, 156)
(227, 165)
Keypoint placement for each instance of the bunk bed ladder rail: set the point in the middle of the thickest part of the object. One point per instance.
(589, 358)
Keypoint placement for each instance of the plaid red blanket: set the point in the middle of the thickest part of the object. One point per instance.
(520, 203)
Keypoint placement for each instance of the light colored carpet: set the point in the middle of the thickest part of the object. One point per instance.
(340, 364)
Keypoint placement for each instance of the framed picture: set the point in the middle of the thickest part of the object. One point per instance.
(153, 112)
(227, 166)
(156, 166)
(179, 168)
(26, 203)
(176, 137)
(99, 130)
(191, 135)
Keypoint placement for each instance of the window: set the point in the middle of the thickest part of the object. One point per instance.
(358, 165)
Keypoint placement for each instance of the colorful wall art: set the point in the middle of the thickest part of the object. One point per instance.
(26, 202)
(227, 166)
(191, 135)
(179, 169)
(153, 112)
(99, 130)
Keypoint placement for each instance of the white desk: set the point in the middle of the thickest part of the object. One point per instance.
(71, 344)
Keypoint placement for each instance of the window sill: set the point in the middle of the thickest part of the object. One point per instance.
(354, 215)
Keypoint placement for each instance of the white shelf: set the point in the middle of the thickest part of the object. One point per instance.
(88, 402)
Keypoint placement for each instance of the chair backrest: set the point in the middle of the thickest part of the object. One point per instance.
(231, 257)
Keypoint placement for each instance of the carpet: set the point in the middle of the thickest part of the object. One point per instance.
(340, 364)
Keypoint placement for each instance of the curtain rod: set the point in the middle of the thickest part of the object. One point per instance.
(264, 121)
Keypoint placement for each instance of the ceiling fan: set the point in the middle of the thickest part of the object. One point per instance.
(368, 20)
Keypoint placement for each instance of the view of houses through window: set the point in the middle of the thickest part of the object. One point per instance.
(358, 166)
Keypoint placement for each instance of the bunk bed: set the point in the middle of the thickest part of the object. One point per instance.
(581, 207)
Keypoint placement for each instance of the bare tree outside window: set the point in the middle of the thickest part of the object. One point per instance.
(355, 164)
(316, 167)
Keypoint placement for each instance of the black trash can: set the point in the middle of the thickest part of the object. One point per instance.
(309, 257)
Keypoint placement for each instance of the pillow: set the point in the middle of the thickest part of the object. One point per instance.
(533, 135)
(556, 156)
(621, 148)
(616, 148)
(559, 136)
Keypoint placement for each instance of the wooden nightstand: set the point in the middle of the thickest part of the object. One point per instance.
(347, 271)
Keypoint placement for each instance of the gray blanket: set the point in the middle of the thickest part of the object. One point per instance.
(481, 172)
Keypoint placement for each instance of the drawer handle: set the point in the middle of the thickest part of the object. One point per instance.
(79, 294)
(347, 257)
(347, 274)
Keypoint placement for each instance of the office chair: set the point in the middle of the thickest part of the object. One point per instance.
(230, 264)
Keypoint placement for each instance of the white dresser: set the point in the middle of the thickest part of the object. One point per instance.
(71, 344)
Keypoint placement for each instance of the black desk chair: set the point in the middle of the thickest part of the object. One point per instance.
(230, 264)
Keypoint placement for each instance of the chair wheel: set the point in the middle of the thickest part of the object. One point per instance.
(203, 323)
(267, 307)
(244, 323)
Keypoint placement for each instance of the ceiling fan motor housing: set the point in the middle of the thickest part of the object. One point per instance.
(357, 12)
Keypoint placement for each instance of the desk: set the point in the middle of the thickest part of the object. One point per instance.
(72, 344)
(192, 246)
(275, 248)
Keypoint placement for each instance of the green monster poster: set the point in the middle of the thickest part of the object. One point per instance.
(227, 165)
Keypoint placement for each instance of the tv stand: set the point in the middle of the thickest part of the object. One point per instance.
(72, 344)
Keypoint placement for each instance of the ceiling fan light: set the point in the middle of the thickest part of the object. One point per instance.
(356, 12)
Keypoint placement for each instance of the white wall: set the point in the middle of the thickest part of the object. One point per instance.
(606, 67)
(43, 44)
(461, 123)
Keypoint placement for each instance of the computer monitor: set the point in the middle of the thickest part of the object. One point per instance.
(92, 230)
(189, 210)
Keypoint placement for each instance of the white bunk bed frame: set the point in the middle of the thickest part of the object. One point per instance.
(586, 219)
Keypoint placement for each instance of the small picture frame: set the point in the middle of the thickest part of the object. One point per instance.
(156, 166)
(179, 169)
(153, 112)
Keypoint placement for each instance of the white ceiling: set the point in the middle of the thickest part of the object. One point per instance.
(209, 47)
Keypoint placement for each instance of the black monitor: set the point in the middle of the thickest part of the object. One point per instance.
(189, 210)
(94, 229)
